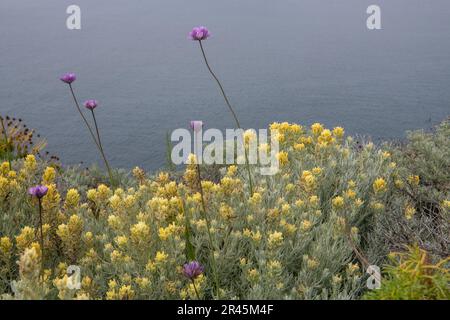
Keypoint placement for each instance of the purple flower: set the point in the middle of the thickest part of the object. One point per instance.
(91, 104)
(199, 33)
(192, 270)
(38, 191)
(196, 125)
(68, 78)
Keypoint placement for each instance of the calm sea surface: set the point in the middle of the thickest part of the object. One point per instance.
(283, 60)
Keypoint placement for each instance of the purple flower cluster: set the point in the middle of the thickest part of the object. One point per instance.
(192, 270)
(68, 78)
(38, 191)
(91, 104)
(199, 34)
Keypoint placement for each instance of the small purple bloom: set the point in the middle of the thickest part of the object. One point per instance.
(199, 33)
(68, 78)
(91, 104)
(192, 270)
(196, 125)
(38, 191)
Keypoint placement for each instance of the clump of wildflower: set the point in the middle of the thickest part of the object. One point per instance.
(317, 128)
(338, 132)
(410, 211)
(49, 176)
(414, 180)
(72, 199)
(161, 257)
(379, 185)
(338, 202)
(275, 239)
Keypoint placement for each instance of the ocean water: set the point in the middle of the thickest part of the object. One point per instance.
(287, 60)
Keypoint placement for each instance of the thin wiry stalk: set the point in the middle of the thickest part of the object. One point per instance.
(41, 235)
(195, 288)
(232, 112)
(97, 143)
(208, 225)
(101, 148)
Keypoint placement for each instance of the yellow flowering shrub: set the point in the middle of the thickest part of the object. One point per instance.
(306, 232)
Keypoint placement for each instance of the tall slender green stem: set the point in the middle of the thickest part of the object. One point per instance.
(208, 225)
(41, 235)
(5, 134)
(232, 112)
(195, 289)
(101, 148)
(97, 143)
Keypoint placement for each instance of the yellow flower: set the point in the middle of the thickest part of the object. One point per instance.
(253, 275)
(317, 128)
(49, 176)
(352, 268)
(25, 238)
(317, 171)
(275, 239)
(121, 241)
(305, 225)
(314, 200)
(299, 146)
(409, 212)
(308, 180)
(226, 212)
(72, 199)
(5, 246)
(350, 194)
(140, 232)
(126, 293)
(378, 206)
(299, 203)
(325, 137)
(161, 257)
(256, 236)
(30, 164)
(231, 171)
(351, 184)
(338, 132)
(414, 180)
(255, 199)
(386, 155)
(338, 202)
(283, 158)
(446, 204)
(379, 185)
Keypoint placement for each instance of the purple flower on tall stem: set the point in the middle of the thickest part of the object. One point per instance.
(91, 104)
(68, 78)
(199, 33)
(193, 270)
(39, 192)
